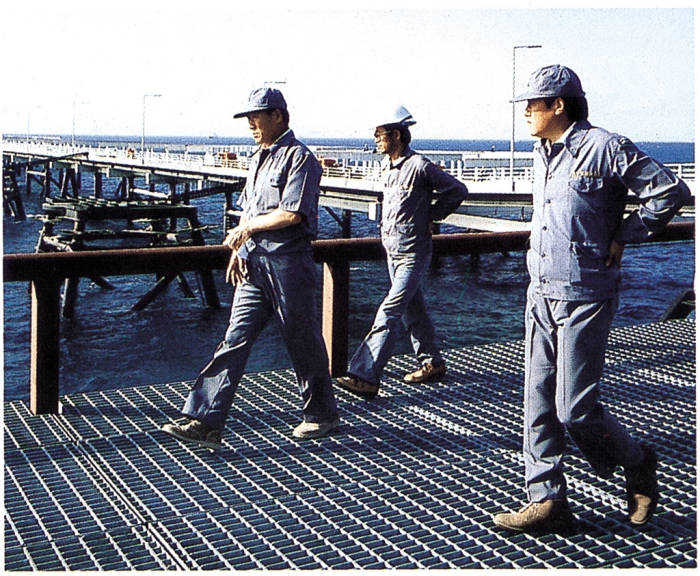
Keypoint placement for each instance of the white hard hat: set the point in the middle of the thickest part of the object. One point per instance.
(399, 116)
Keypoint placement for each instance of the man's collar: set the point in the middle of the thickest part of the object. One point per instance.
(407, 153)
(571, 137)
(573, 141)
(283, 139)
(565, 134)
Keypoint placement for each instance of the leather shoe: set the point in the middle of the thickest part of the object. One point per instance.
(358, 386)
(426, 373)
(308, 430)
(642, 489)
(195, 432)
(546, 516)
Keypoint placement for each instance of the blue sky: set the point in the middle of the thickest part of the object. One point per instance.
(339, 68)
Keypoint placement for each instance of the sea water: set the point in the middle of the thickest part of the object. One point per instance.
(472, 301)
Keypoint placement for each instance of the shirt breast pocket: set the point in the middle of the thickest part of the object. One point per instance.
(278, 180)
(588, 193)
(273, 194)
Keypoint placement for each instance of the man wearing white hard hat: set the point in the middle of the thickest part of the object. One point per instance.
(275, 276)
(411, 183)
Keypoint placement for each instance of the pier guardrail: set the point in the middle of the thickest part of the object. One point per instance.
(47, 272)
(238, 163)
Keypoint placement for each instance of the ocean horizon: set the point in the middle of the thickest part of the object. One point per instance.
(664, 151)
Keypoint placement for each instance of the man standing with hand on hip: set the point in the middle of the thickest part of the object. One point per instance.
(579, 229)
(411, 183)
(275, 275)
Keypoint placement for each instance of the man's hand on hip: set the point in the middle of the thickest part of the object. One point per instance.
(615, 255)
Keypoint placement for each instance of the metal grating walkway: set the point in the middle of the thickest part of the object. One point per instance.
(410, 481)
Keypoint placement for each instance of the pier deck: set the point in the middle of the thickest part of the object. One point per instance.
(411, 480)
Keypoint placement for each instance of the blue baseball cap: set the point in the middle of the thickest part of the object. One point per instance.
(263, 99)
(551, 82)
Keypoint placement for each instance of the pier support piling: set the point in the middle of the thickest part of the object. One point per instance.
(98, 185)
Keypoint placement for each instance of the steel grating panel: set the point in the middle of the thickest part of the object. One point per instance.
(21, 430)
(411, 480)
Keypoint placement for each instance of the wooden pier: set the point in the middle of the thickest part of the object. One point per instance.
(149, 224)
(411, 479)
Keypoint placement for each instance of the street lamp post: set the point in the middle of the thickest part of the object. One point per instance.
(512, 134)
(143, 123)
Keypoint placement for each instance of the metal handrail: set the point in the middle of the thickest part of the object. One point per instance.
(47, 271)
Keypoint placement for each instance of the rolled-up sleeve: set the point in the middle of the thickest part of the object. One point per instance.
(660, 191)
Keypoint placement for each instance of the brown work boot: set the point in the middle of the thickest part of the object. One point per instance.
(358, 386)
(642, 489)
(427, 373)
(547, 516)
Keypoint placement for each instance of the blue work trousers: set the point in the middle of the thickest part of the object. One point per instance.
(404, 302)
(564, 358)
(277, 285)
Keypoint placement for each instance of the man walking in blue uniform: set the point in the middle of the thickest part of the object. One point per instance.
(411, 182)
(579, 230)
(275, 275)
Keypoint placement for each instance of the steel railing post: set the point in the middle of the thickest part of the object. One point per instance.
(45, 340)
(336, 312)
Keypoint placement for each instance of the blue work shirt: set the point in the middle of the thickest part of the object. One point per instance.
(410, 184)
(286, 176)
(579, 199)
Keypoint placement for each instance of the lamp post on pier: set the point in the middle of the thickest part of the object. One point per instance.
(512, 134)
(143, 124)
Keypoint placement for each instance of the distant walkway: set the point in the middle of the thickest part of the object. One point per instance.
(482, 171)
(410, 481)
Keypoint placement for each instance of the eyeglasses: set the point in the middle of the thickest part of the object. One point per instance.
(380, 135)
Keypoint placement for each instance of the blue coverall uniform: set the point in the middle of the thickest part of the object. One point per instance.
(281, 282)
(579, 199)
(408, 211)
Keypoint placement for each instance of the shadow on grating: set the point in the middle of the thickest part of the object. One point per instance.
(411, 480)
